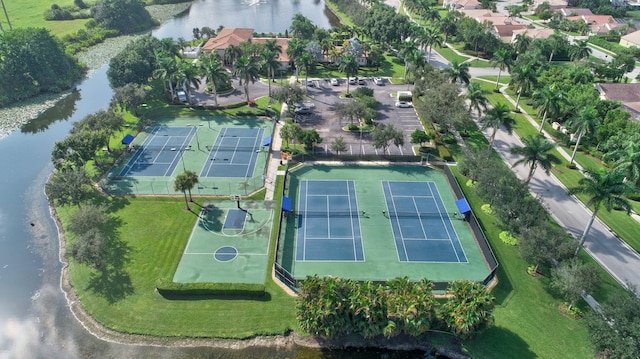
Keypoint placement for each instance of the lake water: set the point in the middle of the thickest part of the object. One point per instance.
(34, 319)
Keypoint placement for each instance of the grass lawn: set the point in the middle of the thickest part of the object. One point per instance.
(449, 54)
(504, 79)
(153, 234)
(29, 13)
(528, 323)
(480, 63)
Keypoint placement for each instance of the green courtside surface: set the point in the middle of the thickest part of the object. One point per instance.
(381, 257)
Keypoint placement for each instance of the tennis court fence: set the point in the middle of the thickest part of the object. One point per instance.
(208, 186)
(388, 214)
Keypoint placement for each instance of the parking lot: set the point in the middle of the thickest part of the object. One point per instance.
(323, 96)
(322, 117)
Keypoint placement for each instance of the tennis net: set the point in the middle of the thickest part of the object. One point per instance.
(349, 213)
(190, 147)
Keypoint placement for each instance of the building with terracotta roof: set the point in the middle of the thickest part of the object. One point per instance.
(505, 32)
(594, 19)
(554, 5)
(627, 94)
(226, 37)
(575, 11)
(478, 13)
(462, 4)
(537, 33)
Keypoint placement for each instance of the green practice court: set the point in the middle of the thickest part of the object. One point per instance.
(228, 244)
(369, 222)
(228, 154)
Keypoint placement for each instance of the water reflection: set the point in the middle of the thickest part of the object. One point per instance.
(62, 111)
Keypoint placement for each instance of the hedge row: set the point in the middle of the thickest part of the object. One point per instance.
(169, 289)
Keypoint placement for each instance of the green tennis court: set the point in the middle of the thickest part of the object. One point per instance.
(404, 219)
(229, 155)
(228, 244)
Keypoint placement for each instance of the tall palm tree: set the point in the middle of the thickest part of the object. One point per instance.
(189, 75)
(605, 189)
(269, 62)
(447, 26)
(521, 43)
(536, 152)
(247, 70)
(191, 181)
(231, 53)
(458, 72)
(548, 100)
(295, 48)
(170, 47)
(502, 59)
(272, 45)
(215, 73)
(477, 98)
(582, 122)
(522, 79)
(183, 184)
(416, 62)
(495, 117)
(407, 48)
(556, 42)
(579, 50)
(306, 61)
(166, 71)
(349, 66)
(628, 161)
(430, 37)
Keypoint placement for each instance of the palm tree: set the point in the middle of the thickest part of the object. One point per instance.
(270, 63)
(407, 48)
(349, 66)
(429, 37)
(191, 181)
(167, 70)
(215, 73)
(579, 50)
(536, 152)
(247, 70)
(231, 53)
(502, 59)
(170, 47)
(521, 43)
(183, 184)
(604, 188)
(556, 42)
(584, 121)
(416, 62)
(522, 78)
(447, 26)
(458, 72)
(295, 48)
(189, 76)
(477, 98)
(306, 60)
(628, 161)
(496, 117)
(548, 101)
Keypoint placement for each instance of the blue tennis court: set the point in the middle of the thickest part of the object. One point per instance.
(234, 153)
(160, 153)
(328, 222)
(421, 225)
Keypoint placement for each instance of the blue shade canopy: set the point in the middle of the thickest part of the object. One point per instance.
(286, 204)
(463, 206)
(267, 141)
(127, 139)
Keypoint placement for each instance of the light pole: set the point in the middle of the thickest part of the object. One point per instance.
(182, 158)
(197, 140)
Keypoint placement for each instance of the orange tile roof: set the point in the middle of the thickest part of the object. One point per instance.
(228, 36)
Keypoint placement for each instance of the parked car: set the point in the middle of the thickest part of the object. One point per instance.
(378, 81)
(334, 82)
(403, 104)
(310, 83)
(181, 95)
(352, 81)
(302, 110)
(361, 81)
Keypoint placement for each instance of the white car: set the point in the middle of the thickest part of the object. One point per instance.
(181, 95)
(302, 110)
(334, 82)
(378, 81)
(352, 81)
(361, 81)
(404, 104)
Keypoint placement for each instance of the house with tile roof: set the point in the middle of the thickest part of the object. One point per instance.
(575, 11)
(462, 4)
(631, 39)
(505, 32)
(537, 33)
(235, 36)
(627, 94)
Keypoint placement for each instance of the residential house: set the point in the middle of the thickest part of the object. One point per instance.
(575, 11)
(505, 32)
(496, 20)
(478, 13)
(554, 5)
(283, 58)
(234, 36)
(462, 4)
(632, 39)
(627, 94)
(598, 24)
(537, 33)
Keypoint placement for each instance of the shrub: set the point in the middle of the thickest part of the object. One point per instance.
(352, 127)
(507, 238)
(448, 138)
(471, 184)
(486, 208)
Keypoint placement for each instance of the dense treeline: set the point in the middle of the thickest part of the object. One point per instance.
(31, 62)
(135, 63)
(333, 307)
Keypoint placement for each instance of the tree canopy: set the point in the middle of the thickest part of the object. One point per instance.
(31, 62)
(126, 16)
